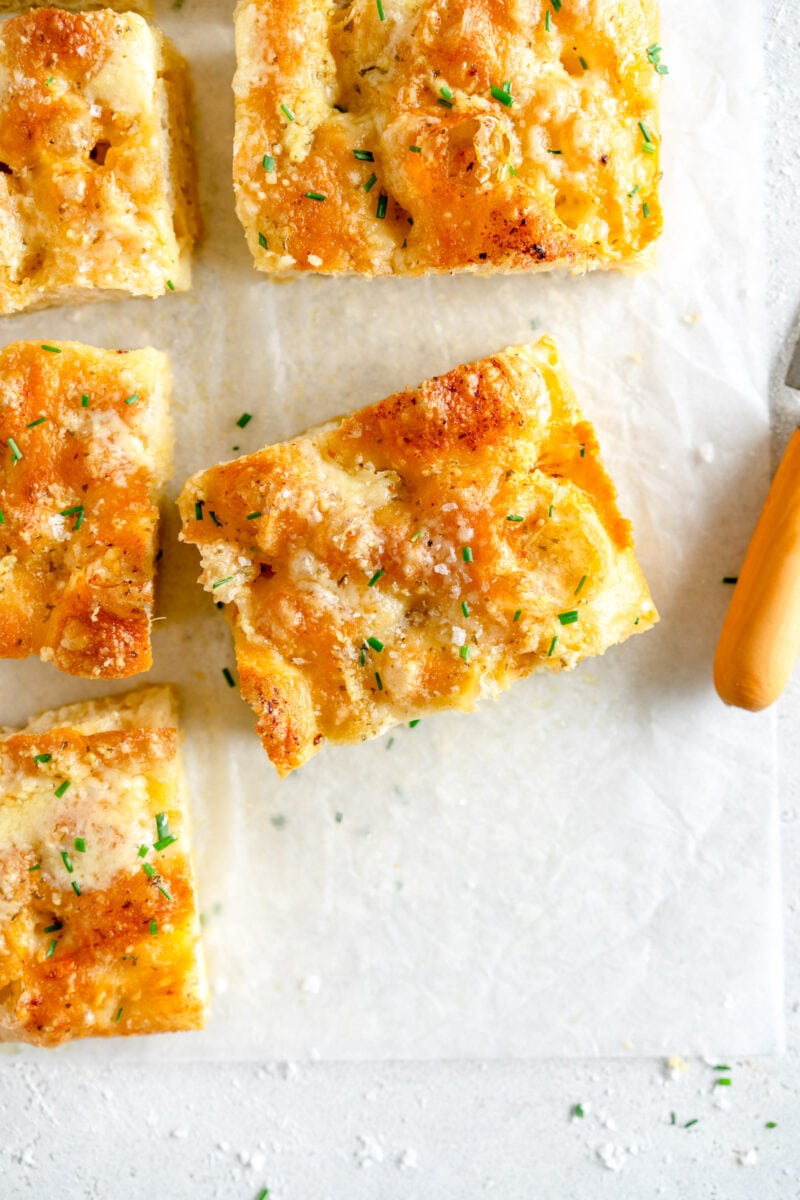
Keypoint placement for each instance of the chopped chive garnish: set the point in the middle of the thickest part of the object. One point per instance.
(149, 870)
(583, 62)
(583, 450)
(51, 949)
(514, 517)
(198, 510)
(413, 724)
(49, 81)
(464, 653)
(633, 191)
(287, 113)
(119, 1014)
(673, 1120)
(379, 681)
(142, 851)
(153, 928)
(689, 1124)
(379, 6)
(555, 151)
(645, 210)
(54, 928)
(466, 553)
(320, 196)
(645, 134)
(465, 608)
(2, 517)
(79, 520)
(648, 148)
(362, 657)
(547, 21)
(416, 536)
(577, 1111)
(518, 614)
(445, 92)
(132, 399)
(62, 787)
(580, 585)
(512, 170)
(162, 825)
(370, 184)
(38, 421)
(415, 149)
(725, 1082)
(262, 241)
(730, 578)
(170, 285)
(262, 1195)
(375, 643)
(84, 400)
(16, 453)
(444, 103)
(164, 892)
(550, 511)
(80, 845)
(662, 68)
(268, 163)
(220, 582)
(253, 516)
(556, 5)
(771, 1125)
(35, 867)
(721, 1067)
(76, 889)
(364, 155)
(228, 677)
(162, 843)
(75, 511)
(553, 645)
(568, 618)
(67, 861)
(380, 211)
(378, 575)
(42, 758)
(501, 95)
(51, 349)
(244, 420)
(215, 518)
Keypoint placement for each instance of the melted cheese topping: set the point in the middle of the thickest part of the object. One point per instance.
(451, 524)
(79, 507)
(96, 178)
(559, 165)
(90, 941)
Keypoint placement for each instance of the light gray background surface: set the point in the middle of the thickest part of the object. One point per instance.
(327, 1132)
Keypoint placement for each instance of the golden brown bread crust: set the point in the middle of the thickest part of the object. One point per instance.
(96, 939)
(97, 191)
(451, 177)
(456, 524)
(79, 490)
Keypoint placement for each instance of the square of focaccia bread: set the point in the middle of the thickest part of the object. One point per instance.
(418, 554)
(97, 188)
(99, 932)
(409, 136)
(85, 448)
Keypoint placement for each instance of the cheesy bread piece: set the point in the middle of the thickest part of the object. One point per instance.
(417, 555)
(85, 449)
(97, 182)
(410, 136)
(99, 932)
(144, 7)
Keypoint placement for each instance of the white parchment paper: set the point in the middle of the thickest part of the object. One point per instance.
(590, 865)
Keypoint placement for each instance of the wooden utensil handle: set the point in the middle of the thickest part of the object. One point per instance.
(760, 636)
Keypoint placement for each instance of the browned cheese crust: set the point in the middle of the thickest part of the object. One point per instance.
(97, 939)
(97, 184)
(466, 526)
(385, 109)
(79, 487)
